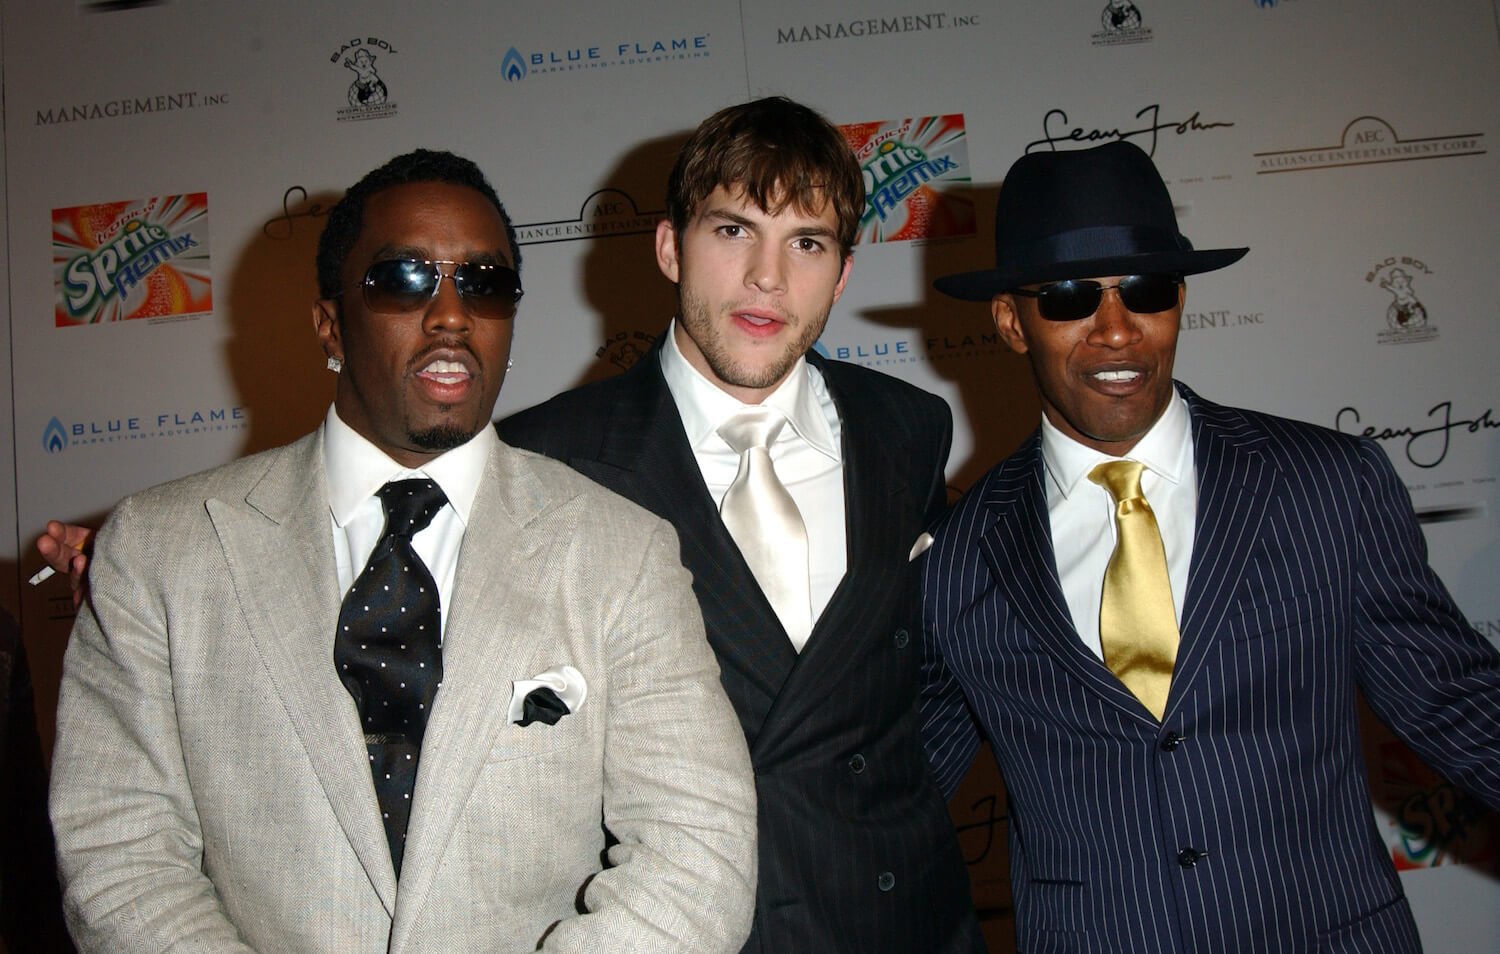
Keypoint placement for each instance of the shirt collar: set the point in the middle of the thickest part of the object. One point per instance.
(1166, 450)
(703, 406)
(357, 469)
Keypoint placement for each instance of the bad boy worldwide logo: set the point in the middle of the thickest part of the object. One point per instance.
(914, 170)
(1406, 320)
(118, 261)
(1120, 24)
(367, 95)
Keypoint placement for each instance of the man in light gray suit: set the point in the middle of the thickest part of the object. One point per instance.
(243, 763)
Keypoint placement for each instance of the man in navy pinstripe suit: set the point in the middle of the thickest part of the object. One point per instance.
(1238, 818)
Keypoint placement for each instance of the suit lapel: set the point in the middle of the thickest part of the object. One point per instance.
(1019, 551)
(487, 642)
(648, 458)
(872, 532)
(1235, 487)
(279, 551)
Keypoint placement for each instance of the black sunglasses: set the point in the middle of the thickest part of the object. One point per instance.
(401, 285)
(1080, 297)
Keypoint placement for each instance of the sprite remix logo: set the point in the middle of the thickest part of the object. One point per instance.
(915, 171)
(125, 260)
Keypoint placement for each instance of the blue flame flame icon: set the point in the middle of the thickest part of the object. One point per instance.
(55, 437)
(513, 67)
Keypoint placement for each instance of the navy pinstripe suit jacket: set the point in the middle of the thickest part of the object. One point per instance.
(857, 852)
(1241, 822)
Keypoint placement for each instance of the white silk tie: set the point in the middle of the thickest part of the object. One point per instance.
(764, 520)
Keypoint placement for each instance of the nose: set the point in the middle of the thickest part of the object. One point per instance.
(446, 311)
(1113, 325)
(766, 270)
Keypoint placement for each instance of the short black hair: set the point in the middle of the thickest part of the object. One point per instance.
(346, 217)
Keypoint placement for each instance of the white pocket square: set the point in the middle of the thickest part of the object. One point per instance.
(924, 540)
(568, 683)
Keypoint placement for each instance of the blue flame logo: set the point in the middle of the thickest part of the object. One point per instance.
(55, 437)
(513, 67)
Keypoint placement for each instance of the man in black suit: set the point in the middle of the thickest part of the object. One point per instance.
(857, 851)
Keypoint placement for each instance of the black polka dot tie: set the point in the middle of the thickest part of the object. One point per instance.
(387, 650)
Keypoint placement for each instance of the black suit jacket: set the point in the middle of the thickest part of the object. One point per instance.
(857, 852)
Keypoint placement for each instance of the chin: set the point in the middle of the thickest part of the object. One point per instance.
(443, 437)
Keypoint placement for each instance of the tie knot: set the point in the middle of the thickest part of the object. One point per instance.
(410, 505)
(755, 426)
(1122, 478)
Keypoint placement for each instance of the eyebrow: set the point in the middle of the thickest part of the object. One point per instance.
(734, 218)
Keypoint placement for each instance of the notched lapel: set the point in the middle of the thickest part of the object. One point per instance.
(877, 568)
(1018, 549)
(1236, 485)
(648, 441)
(279, 550)
(487, 641)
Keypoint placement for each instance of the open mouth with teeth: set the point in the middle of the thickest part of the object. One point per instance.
(445, 372)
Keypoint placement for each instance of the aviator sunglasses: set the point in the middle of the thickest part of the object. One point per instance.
(1080, 297)
(400, 285)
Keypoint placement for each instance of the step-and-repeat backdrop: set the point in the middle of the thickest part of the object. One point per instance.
(167, 167)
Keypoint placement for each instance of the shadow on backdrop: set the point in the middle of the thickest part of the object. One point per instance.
(620, 280)
(996, 393)
(272, 355)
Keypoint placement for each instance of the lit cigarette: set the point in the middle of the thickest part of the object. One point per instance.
(46, 573)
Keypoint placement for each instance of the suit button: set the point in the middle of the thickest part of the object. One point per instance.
(902, 638)
(1189, 857)
(857, 763)
(1171, 740)
(886, 882)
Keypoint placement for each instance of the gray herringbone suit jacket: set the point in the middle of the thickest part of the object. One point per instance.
(212, 792)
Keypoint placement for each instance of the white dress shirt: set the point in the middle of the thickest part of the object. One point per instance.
(1083, 513)
(807, 454)
(357, 469)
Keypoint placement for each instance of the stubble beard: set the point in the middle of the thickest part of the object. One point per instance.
(694, 314)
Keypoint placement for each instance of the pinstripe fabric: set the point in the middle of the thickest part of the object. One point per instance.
(1309, 578)
(857, 852)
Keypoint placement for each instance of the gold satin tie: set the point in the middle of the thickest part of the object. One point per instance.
(1137, 621)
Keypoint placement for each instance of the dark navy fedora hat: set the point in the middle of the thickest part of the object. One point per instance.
(1084, 213)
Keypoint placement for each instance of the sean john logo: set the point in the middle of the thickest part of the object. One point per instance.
(1056, 128)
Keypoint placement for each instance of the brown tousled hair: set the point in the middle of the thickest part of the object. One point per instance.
(780, 153)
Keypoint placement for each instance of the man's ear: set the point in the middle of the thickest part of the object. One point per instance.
(325, 316)
(843, 277)
(1008, 322)
(667, 251)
